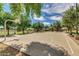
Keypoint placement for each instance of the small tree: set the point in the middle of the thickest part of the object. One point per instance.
(77, 18)
(56, 26)
(38, 26)
(7, 16)
(24, 23)
(69, 19)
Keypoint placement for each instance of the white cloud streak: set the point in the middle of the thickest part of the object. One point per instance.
(46, 23)
(41, 18)
(56, 17)
(58, 8)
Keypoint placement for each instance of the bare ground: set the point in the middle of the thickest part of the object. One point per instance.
(46, 43)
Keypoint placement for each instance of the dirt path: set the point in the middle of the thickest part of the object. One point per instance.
(49, 38)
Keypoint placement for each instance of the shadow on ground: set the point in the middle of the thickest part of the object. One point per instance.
(6, 50)
(40, 49)
(33, 49)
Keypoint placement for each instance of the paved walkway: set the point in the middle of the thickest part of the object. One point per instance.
(49, 38)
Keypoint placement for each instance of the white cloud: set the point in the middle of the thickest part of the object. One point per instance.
(46, 23)
(41, 18)
(58, 8)
(56, 17)
(47, 5)
(46, 10)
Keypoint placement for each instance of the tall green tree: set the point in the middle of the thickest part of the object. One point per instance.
(8, 16)
(5, 16)
(24, 23)
(56, 26)
(1, 13)
(69, 19)
(77, 18)
(34, 8)
(1, 7)
(31, 9)
(16, 9)
(38, 26)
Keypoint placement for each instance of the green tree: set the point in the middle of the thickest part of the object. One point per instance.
(25, 9)
(34, 8)
(77, 18)
(38, 26)
(56, 26)
(7, 16)
(24, 23)
(1, 7)
(69, 19)
(16, 9)
(1, 13)
(31, 9)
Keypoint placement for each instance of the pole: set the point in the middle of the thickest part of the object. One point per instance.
(5, 28)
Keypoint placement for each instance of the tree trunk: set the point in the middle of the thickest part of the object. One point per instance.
(14, 32)
(76, 29)
(68, 29)
(23, 31)
(8, 32)
(71, 31)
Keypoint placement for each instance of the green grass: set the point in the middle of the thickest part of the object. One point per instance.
(2, 33)
(19, 33)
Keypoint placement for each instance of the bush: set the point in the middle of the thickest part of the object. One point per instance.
(30, 30)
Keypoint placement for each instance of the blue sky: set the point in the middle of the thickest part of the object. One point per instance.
(49, 13)
(6, 8)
